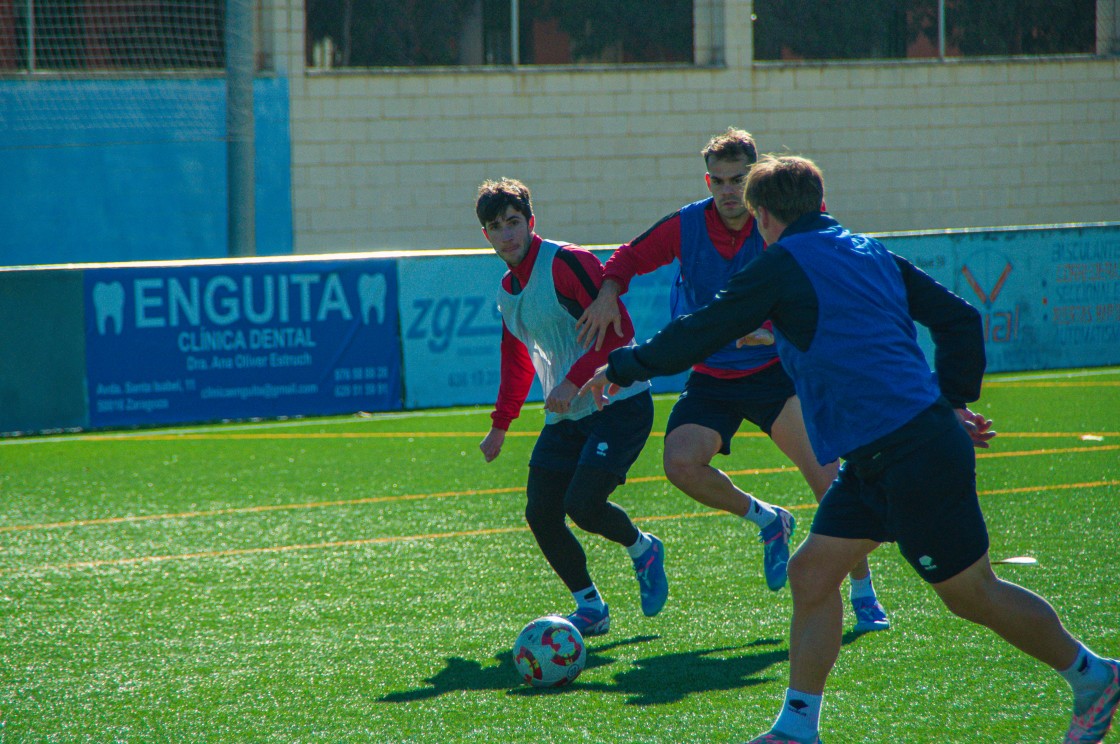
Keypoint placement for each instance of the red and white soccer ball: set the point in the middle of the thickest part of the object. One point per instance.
(549, 652)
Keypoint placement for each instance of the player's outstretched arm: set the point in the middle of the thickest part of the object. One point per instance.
(978, 427)
(599, 387)
(491, 445)
(600, 315)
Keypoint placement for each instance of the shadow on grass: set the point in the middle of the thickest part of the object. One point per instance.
(465, 674)
(655, 680)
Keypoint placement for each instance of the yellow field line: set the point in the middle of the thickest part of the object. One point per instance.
(220, 436)
(1058, 487)
(1029, 384)
(1056, 434)
(325, 504)
(444, 494)
(234, 552)
(1052, 451)
(283, 435)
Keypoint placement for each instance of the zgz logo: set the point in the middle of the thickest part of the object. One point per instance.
(999, 326)
(452, 317)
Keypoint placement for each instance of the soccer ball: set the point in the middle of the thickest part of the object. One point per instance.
(549, 652)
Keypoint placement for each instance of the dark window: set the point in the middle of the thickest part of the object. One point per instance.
(898, 29)
(412, 33)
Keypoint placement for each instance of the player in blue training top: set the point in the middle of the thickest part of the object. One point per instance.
(843, 311)
(582, 454)
(711, 240)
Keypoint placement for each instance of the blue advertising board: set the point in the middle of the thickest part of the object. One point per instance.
(451, 330)
(1049, 296)
(237, 340)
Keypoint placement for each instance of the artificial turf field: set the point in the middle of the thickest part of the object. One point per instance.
(362, 579)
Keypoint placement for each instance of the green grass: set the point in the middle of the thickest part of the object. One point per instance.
(362, 580)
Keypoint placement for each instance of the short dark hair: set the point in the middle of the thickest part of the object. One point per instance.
(732, 144)
(495, 196)
(788, 186)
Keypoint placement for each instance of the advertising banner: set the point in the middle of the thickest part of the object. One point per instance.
(205, 342)
(1049, 296)
(451, 330)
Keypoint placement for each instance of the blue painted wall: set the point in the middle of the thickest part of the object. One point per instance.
(129, 170)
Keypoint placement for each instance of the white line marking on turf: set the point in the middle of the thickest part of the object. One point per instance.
(1059, 375)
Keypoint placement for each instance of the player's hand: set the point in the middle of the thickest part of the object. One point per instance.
(757, 337)
(979, 428)
(600, 315)
(491, 446)
(560, 399)
(599, 387)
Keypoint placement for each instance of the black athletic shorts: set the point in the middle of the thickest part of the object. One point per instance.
(919, 490)
(610, 439)
(722, 405)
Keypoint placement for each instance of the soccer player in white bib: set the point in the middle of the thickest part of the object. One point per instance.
(582, 454)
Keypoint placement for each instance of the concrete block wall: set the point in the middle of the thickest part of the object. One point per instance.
(390, 159)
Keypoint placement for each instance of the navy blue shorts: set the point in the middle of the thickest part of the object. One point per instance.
(610, 439)
(920, 492)
(722, 405)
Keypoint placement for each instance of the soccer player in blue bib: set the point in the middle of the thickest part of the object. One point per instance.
(582, 454)
(710, 240)
(843, 310)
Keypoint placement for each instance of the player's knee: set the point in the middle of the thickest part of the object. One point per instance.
(799, 574)
(973, 594)
(539, 516)
(680, 467)
(968, 605)
(806, 579)
(583, 513)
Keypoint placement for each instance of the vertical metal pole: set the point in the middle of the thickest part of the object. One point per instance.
(30, 9)
(941, 29)
(240, 142)
(515, 32)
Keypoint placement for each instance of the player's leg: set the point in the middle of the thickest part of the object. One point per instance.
(552, 467)
(689, 449)
(941, 532)
(845, 529)
(703, 422)
(701, 425)
(1030, 623)
(1019, 616)
(948, 545)
(788, 432)
(816, 572)
(615, 438)
(544, 511)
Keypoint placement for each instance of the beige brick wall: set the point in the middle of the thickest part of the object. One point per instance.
(391, 159)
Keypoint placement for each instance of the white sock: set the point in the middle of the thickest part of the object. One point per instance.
(589, 598)
(1088, 676)
(641, 546)
(861, 588)
(800, 716)
(760, 513)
